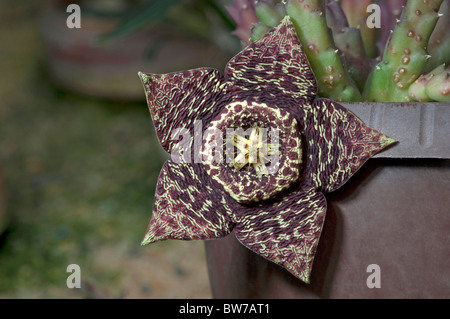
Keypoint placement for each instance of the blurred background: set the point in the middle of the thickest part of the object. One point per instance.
(79, 159)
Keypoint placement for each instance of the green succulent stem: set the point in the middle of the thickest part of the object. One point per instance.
(356, 13)
(258, 30)
(269, 12)
(332, 76)
(349, 41)
(418, 90)
(439, 54)
(438, 88)
(439, 43)
(405, 53)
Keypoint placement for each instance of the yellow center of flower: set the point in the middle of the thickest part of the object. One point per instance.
(253, 151)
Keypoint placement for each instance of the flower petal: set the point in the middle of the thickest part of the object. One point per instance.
(176, 100)
(187, 206)
(287, 231)
(337, 144)
(273, 70)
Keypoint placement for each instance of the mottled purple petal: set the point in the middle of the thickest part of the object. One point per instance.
(176, 100)
(188, 206)
(286, 231)
(337, 144)
(274, 70)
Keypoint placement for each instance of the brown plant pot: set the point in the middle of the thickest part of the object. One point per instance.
(394, 212)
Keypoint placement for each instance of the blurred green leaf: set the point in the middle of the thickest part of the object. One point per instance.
(147, 11)
(220, 11)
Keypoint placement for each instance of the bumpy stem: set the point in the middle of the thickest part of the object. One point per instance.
(405, 54)
(438, 88)
(332, 77)
(349, 41)
(356, 12)
(269, 12)
(418, 90)
(390, 12)
(439, 44)
(439, 54)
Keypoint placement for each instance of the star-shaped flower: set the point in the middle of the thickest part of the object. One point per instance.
(274, 202)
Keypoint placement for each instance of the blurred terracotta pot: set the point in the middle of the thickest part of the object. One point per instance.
(75, 62)
(393, 213)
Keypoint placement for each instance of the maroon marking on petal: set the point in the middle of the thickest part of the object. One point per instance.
(191, 207)
(274, 70)
(293, 143)
(163, 204)
(176, 100)
(293, 156)
(287, 171)
(260, 195)
(247, 190)
(286, 231)
(337, 144)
